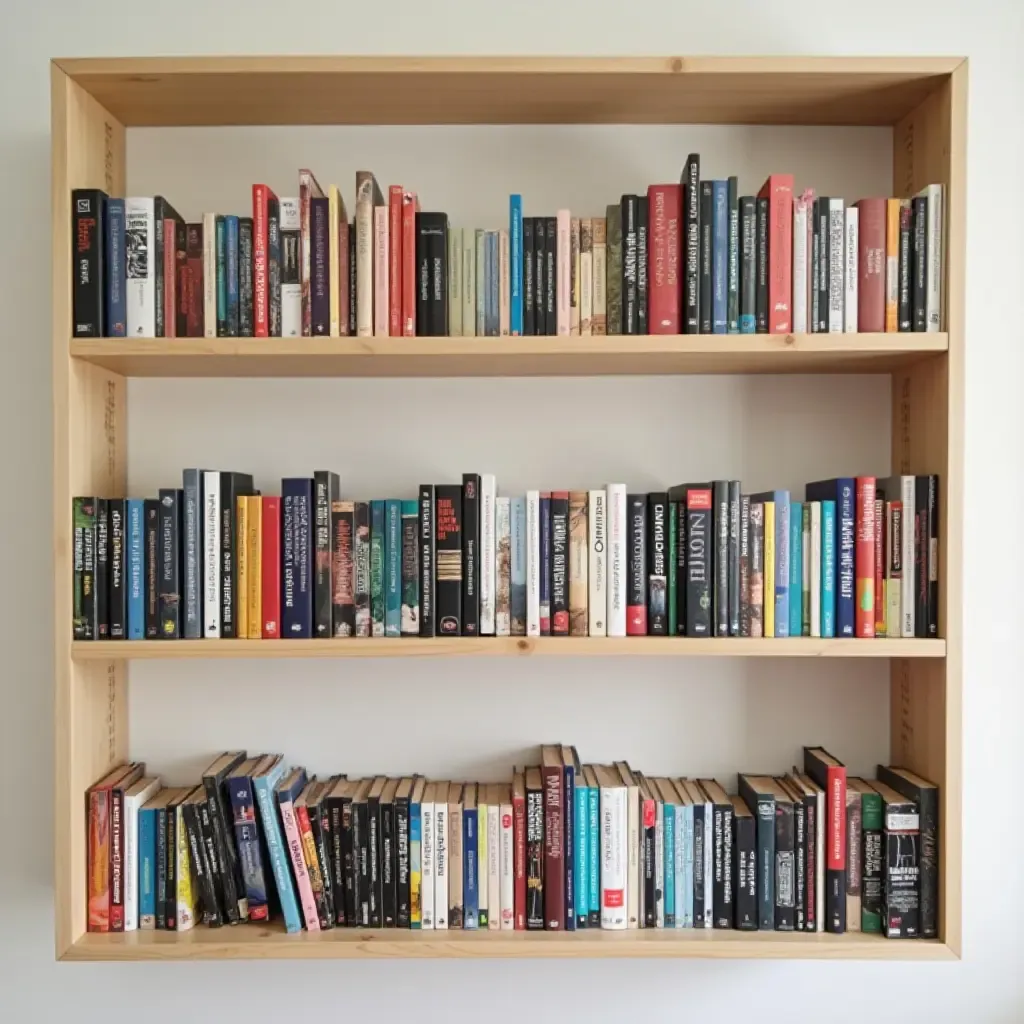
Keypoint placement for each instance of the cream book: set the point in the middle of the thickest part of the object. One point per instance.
(615, 564)
(596, 576)
(504, 297)
(563, 271)
(494, 858)
(533, 563)
(468, 282)
(441, 855)
(506, 859)
(488, 488)
(381, 304)
(368, 196)
(455, 282)
(427, 872)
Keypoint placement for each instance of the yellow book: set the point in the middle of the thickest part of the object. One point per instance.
(334, 208)
(769, 568)
(415, 863)
(185, 890)
(892, 264)
(255, 552)
(242, 558)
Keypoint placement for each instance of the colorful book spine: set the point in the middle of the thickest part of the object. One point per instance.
(828, 569)
(864, 558)
(488, 487)
(517, 585)
(136, 570)
(533, 572)
(842, 492)
(593, 853)
(796, 568)
(392, 568)
(297, 558)
(545, 563)
(668, 861)
(247, 843)
(778, 190)
(720, 257)
(115, 323)
(264, 786)
(578, 563)
(377, 544)
(503, 567)
(581, 847)
(515, 234)
(415, 863)
(410, 616)
(769, 567)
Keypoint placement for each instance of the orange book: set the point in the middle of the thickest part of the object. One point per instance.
(410, 207)
(892, 264)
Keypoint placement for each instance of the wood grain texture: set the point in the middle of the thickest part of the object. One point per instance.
(509, 90)
(252, 942)
(506, 647)
(508, 357)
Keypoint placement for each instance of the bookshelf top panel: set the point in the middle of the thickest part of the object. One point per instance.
(185, 91)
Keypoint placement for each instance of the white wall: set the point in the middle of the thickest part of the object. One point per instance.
(841, 704)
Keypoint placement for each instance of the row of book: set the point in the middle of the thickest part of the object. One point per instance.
(857, 558)
(694, 257)
(565, 846)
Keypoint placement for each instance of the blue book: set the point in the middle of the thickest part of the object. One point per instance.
(581, 845)
(594, 854)
(782, 518)
(221, 242)
(828, 568)
(569, 848)
(796, 568)
(493, 267)
(231, 272)
(116, 308)
(517, 600)
(147, 867)
(415, 858)
(136, 570)
(669, 864)
(688, 866)
(720, 257)
(470, 869)
(264, 785)
(841, 492)
(515, 272)
(545, 567)
(678, 873)
(392, 567)
(296, 558)
(247, 839)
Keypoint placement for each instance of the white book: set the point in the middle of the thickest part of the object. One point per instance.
(800, 293)
(933, 270)
(506, 863)
(634, 891)
(427, 872)
(906, 486)
(494, 907)
(291, 293)
(502, 566)
(211, 554)
(616, 560)
(613, 852)
(893, 584)
(134, 799)
(659, 864)
(488, 487)
(680, 810)
(819, 870)
(597, 574)
(533, 563)
(851, 270)
(364, 254)
(441, 856)
(815, 561)
(140, 267)
(381, 308)
(455, 281)
(468, 283)
(504, 285)
(836, 260)
(586, 290)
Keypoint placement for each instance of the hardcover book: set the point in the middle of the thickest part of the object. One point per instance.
(578, 564)
(448, 553)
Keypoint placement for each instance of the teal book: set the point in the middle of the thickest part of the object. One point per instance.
(782, 518)
(688, 866)
(377, 534)
(147, 867)
(828, 568)
(221, 242)
(796, 568)
(680, 822)
(264, 786)
(581, 843)
(392, 567)
(515, 271)
(594, 855)
(669, 867)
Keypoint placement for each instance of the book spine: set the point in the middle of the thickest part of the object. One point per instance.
(117, 610)
(455, 281)
(534, 859)
(872, 266)
(426, 559)
(506, 867)
(270, 574)
(801, 288)
(578, 563)
(569, 850)
(664, 202)
(381, 268)
(298, 861)
(231, 320)
(657, 564)
(770, 567)
(691, 271)
(115, 319)
(745, 565)
(501, 265)
(471, 524)
(260, 255)
(560, 563)
(410, 614)
(735, 590)
(756, 568)
(487, 553)
(614, 269)
(102, 564)
(845, 576)
(636, 572)
(516, 295)
(597, 604)
(836, 265)
(707, 229)
(932, 551)
(828, 568)
(854, 860)
(517, 566)
(326, 547)
(339, 611)
(377, 550)
(749, 264)
(642, 269)
(648, 863)
(151, 562)
(864, 557)
(761, 279)
(284, 279)
(296, 559)
(599, 279)
(395, 261)
(806, 571)
(364, 254)
(361, 544)
(701, 828)
(614, 857)
(410, 205)
(892, 264)
(533, 567)
(575, 270)
(448, 555)
(192, 520)
(745, 874)
(873, 856)
(934, 272)
(785, 868)
(593, 852)
(245, 322)
(616, 561)
(699, 515)
(494, 866)
(544, 562)
(392, 568)
(821, 250)
(851, 274)
(903, 311)
(724, 898)
(519, 859)
(415, 865)
(733, 291)
(554, 849)
(470, 871)
(320, 281)
(539, 274)
(720, 557)
(835, 850)
(503, 567)
(920, 574)
(720, 257)
(796, 568)
(529, 277)
(919, 263)
(169, 585)
(135, 613)
(243, 807)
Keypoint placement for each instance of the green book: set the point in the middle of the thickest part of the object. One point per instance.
(392, 567)
(673, 523)
(377, 534)
(805, 582)
(874, 854)
(613, 283)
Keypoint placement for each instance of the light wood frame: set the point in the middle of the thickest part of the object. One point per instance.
(93, 101)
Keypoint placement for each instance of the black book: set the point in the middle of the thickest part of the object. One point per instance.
(427, 580)
(232, 485)
(529, 276)
(160, 886)
(785, 860)
(758, 793)
(540, 246)
(921, 546)
(403, 873)
(560, 563)
(117, 606)
(700, 837)
(901, 868)
(551, 276)
(245, 309)
(88, 262)
(648, 853)
(919, 263)
(630, 312)
(805, 817)
(427, 226)
(699, 530)
(326, 491)
(744, 866)
(748, 264)
(800, 876)
(933, 554)
(823, 250)
(745, 565)
(722, 837)
(282, 264)
(470, 554)
(206, 837)
(151, 526)
(375, 891)
(202, 878)
(230, 882)
(707, 210)
(534, 850)
(720, 600)
(814, 270)
(818, 765)
(171, 860)
(925, 796)
(636, 564)
(691, 244)
(677, 495)
(341, 595)
(337, 805)
(735, 593)
(319, 827)
(388, 855)
(162, 211)
(361, 567)
(169, 582)
(102, 568)
(733, 301)
(438, 249)
(904, 320)
(448, 556)
(761, 285)
(84, 515)
(657, 564)
(642, 270)
(361, 856)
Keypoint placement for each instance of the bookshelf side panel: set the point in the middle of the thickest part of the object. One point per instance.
(89, 457)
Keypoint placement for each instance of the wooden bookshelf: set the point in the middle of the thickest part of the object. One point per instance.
(923, 100)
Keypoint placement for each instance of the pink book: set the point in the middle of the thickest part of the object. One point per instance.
(563, 271)
(294, 841)
(778, 190)
(381, 305)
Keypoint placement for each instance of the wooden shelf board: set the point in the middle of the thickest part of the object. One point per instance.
(260, 942)
(448, 647)
(509, 90)
(507, 357)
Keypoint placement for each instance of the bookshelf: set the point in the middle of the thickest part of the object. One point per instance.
(94, 101)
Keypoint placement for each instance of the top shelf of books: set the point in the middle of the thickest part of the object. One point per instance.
(186, 91)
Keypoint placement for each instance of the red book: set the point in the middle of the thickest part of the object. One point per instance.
(395, 222)
(830, 774)
(410, 207)
(99, 848)
(344, 284)
(194, 280)
(271, 565)
(554, 840)
(879, 566)
(519, 848)
(778, 190)
(262, 196)
(864, 558)
(181, 277)
(665, 203)
(871, 265)
(170, 256)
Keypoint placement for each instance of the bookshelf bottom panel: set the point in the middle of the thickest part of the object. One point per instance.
(251, 942)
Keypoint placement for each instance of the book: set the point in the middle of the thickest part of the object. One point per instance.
(748, 264)
(284, 273)
(758, 792)
(578, 563)
(719, 256)
(554, 838)
(487, 553)
(534, 849)
(841, 492)
(517, 566)
(89, 261)
(515, 234)
(471, 554)
(614, 269)
(533, 565)
(296, 558)
(470, 863)
(599, 243)
(393, 567)
(332, 546)
(830, 774)
(901, 907)
(518, 830)
(636, 582)
(503, 567)
(657, 564)
(745, 865)
(410, 569)
(690, 185)
(448, 555)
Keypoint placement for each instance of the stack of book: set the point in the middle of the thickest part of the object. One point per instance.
(565, 846)
(687, 258)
